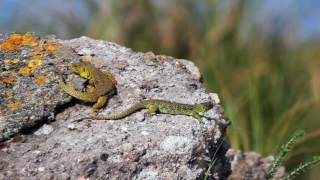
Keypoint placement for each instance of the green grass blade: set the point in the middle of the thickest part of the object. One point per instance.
(283, 150)
(303, 167)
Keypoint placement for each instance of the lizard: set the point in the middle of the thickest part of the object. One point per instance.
(101, 84)
(159, 106)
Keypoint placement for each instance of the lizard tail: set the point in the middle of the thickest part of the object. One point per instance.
(130, 110)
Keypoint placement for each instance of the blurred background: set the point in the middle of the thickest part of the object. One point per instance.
(261, 57)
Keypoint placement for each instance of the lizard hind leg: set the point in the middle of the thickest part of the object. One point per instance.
(110, 76)
(89, 89)
(102, 100)
(151, 110)
(198, 117)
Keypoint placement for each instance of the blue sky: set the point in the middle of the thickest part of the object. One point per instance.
(304, 15)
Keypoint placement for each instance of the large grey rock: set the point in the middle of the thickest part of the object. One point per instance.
(136, 147)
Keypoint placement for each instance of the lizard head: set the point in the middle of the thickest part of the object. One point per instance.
(202, 107)
(82, 68)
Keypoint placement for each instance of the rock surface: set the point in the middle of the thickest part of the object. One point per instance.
(28, 83)
(136, 147)
(251, 165)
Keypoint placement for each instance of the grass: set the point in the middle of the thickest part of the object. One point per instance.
(282, 152)
(213, 160)
(303, 167)
(285, 148)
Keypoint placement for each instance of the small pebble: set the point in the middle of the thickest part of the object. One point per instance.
(145, 133)
(41, 169)
(71, 126)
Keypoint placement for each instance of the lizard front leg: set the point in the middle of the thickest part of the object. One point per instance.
(102, 100)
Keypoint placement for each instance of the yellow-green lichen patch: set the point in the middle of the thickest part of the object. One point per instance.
(29, 40)
(34, 63)
(25, 71)
(8, 95)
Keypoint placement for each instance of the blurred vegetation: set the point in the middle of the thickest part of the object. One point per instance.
(268, 84)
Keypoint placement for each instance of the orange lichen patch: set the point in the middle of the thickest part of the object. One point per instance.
(15, 105)
(51, 42)
(40, 80)
(16, 37)
(12, 43)
(52, 46)
(15, 41)
(8, 80)
(25, 71)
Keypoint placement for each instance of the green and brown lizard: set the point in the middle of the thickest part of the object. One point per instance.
(101, 84)
(160, 106)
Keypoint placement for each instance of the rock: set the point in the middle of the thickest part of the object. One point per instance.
(44, 130)
(137, 147)
(28, 83)
(176, 144)
(251, 165)
(71, 126)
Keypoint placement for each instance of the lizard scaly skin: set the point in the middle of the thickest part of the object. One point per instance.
(101, 84)
(160, 106)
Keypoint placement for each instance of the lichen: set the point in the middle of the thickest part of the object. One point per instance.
(14, 105)
(34, 63)
(25, 71)
(15, 41)
(27, 74)
(40, 80)
(8, 80)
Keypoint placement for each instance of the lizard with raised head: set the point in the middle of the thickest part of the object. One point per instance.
(101, 84)
(160, 106)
